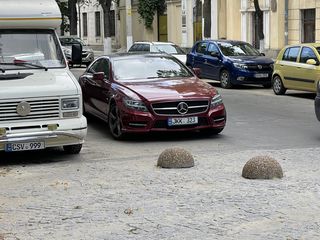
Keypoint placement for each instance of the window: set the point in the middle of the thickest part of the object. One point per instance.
(307, 53)
(308, 17)
(291, 54)
(212, 48)
(85, 24)
(201, 47)
(98, 24)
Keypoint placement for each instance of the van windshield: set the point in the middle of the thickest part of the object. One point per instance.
(37, 47)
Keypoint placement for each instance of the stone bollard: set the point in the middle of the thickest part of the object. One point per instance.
(175, 158)
(262, 167)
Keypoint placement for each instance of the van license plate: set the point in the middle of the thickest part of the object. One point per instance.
(261, 75)
(24, 146)
(182, 121)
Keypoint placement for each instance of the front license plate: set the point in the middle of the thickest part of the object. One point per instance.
(261, 75)
(182, 121)
(24, 146)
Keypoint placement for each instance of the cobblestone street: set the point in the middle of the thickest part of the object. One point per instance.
(134, 199)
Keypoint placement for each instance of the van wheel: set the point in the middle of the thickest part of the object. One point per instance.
(225, 81)
(277, 86)
(72, 149)
(114, 122)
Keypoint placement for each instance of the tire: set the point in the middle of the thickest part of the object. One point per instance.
(225, 81)
(267, 85)
(114, 122)
(277, 86)
(72, 149)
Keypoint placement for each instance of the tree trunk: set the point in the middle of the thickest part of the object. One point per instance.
(259, 20)
(207, 18)
(73, 16)
(107, 43)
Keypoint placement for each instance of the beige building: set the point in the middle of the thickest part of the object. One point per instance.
(284, 22)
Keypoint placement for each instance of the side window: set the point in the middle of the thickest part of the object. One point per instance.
(145, 48)
(291, 54)
(212, 48)
(104, 67)
(95, 67)
(307, 53)
(201, 47)
(133, 48)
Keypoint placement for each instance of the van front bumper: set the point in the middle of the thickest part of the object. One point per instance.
(55, 138)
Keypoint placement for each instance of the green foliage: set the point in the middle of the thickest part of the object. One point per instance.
(148, 8)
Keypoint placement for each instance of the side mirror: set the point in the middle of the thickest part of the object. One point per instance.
(312, 62)
(197, 71)
(262, 54)
(98, 76)
(214, 54)
(76, 54)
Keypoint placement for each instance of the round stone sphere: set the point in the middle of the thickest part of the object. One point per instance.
(175, 158)
(262, 167)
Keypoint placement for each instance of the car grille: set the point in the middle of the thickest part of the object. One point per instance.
(40, 109)
(170, 108)
(260, 67)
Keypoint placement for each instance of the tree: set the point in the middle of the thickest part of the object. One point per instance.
(64, 13)
(259, 20)
(73, 18)
(106, 5)
(148, 8)
(207, 18)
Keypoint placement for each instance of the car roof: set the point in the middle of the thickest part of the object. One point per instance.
(132, 55)
(222, 41)
(304, 45)
(154, 43)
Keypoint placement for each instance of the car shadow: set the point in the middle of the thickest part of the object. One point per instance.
(100, 126)
(305, 95)
(216, 84)
(46, 156)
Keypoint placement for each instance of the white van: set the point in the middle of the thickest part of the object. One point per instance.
(40, 99)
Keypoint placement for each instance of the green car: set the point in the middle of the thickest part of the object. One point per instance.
(297, 67)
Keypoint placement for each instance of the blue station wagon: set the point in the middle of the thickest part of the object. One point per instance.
(231, 62)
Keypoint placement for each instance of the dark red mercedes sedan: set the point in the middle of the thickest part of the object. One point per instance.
(150, 92)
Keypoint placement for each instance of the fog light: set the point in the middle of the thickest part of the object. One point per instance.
(70, 114)
(52, 127)
(3, 131)
(240, 78)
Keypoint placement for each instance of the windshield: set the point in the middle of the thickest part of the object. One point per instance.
(170, 49)
(237, 49)
(38, 47)
(149, 67)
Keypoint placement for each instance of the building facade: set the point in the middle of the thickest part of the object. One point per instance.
(284, 22)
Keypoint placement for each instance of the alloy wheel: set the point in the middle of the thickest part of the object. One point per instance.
(115, 122)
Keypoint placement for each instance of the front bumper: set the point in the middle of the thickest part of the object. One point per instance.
(69, 132)
(250, 77)
(146, 122)
(317, 107)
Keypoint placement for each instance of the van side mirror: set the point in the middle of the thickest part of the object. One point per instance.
(76, 54)
(312, 62)
(197, 71)
(98, 76)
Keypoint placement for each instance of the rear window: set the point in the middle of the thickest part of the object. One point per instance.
(140, 48)
(291, 54)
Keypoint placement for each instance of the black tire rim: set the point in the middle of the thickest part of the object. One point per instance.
(114, 122)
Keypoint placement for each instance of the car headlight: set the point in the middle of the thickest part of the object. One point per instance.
(216, 101)
(70, 103)
(240, 65)
(135, 104)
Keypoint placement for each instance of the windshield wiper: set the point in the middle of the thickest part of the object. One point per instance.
(22, 64)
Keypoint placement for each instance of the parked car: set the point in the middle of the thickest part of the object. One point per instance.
(231, 62)
(140, 93)
(160, 47)
(297, 67)
(87, 53)
(317, 102)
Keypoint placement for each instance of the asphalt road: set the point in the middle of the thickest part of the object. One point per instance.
(113, 189)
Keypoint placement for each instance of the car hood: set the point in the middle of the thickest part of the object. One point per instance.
(251, 59)
(39, 83)
(171, 89)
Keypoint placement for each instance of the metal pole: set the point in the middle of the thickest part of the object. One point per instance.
(79, 20)
(129, 24)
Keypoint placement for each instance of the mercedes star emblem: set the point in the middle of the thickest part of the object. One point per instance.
(182, 108)
(23, 109)
(259, 66)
